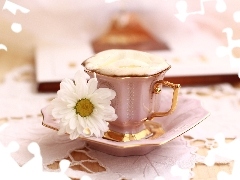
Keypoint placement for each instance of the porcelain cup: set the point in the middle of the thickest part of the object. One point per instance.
(138, 99)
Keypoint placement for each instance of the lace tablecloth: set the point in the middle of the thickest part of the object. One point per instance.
(21, 106)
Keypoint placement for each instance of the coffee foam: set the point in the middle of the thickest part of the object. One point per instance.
(117, 62)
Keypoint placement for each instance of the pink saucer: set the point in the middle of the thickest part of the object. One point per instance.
(187, 115)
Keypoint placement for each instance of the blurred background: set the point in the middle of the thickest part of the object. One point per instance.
(78, 23)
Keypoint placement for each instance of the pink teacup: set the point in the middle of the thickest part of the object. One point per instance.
(137, 86)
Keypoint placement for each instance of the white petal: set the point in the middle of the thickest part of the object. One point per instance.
(55, 114)
(66, 111)
(68, 129)
(79, 127)
(81, 74)
(68, 97)
(61, 109)
(69, 115)
(57, 102)
(81, 89)
(65, 122)
(102, 125)
(103, 95)
(109, 114)
(72, 123)
(67, 85)
(92, 85)
(93, 127)
(72, 105)
(81, 121)
(74, 135)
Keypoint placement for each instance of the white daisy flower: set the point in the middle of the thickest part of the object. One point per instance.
(82, 108)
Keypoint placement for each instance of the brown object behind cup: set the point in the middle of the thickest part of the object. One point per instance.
(126, 32)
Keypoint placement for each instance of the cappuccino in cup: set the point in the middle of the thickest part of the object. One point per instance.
(137, 79)
(126, 63)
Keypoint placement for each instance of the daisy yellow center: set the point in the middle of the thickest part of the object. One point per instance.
(84, 107)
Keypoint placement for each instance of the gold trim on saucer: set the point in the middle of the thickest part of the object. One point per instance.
(120, 137)
(153, 130)
(50, 127)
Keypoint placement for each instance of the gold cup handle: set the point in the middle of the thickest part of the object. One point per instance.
(157, 90)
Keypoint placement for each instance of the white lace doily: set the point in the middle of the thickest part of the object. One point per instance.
(223, 102)
(54, 147)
